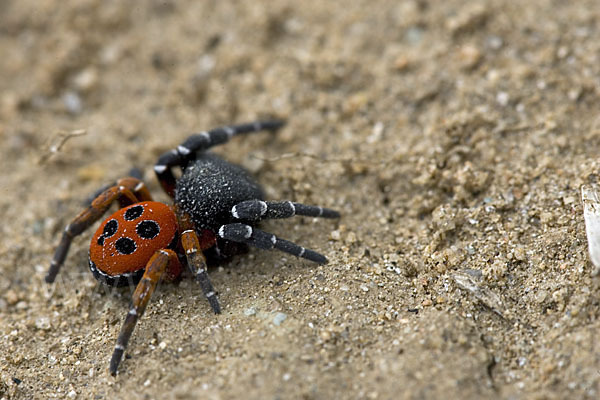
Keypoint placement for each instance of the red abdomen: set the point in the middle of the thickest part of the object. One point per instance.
(127, 239)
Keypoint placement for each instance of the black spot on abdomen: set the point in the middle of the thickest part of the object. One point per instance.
(133, 213)
(125, 245)
(147, 229)
(110, 228)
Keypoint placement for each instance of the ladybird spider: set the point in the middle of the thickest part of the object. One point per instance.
(216, 208)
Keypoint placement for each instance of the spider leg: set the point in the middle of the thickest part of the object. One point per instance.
(200, 142)
(196, 260)
(243, 233)
(197, 265)
(127, 191)
(134, 173)
(137, 187)
(158, 264)
(255, 210)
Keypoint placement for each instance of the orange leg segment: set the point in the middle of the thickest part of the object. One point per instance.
(137, 187)
(197, 265)
(195, 258)
(157, 267)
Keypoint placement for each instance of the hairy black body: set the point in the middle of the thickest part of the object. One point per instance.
(209, 188)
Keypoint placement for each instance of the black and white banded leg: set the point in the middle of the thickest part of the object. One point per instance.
(200, 142)
(243, 233)
(255, 210)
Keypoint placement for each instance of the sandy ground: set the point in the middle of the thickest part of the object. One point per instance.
(453, 137)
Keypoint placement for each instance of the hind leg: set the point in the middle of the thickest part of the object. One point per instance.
(201, 142)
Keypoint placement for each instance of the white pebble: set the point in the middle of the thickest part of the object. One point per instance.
(591, 214)
(279, 318)
(72, 102)
(502, 98)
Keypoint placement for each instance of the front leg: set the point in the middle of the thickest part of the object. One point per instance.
(127, 191)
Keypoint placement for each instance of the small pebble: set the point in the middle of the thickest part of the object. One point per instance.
(590, 197)
(502, 98)
(469, 56)
(325, 335)
(73, 102)
(11, 297)
(86, 79)
(414, 35)
(494, 42)
(43, 323)
(401, 63)
(279, 318)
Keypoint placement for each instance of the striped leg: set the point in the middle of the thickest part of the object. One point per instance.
(197, 264)
(243, 233)
(134, 173)
(200, 142)
(137, 187)
(155, 269)
(127, 191)
(255, 210)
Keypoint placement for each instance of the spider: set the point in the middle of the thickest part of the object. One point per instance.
(215, 211)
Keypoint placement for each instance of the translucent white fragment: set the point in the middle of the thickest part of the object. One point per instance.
(590, 196)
